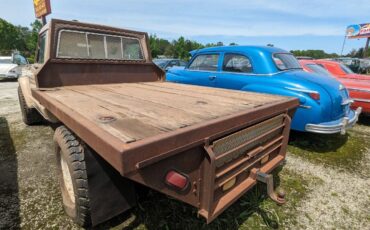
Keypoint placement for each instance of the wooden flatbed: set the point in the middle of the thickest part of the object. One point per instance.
(154, 118)
(142, 110)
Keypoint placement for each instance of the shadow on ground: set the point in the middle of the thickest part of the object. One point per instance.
(9, 201)
(157, 211)
(8, 80)
(320, 143)
(364, 120)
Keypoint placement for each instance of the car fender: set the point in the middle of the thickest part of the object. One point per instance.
(303, 99)
(24, 83)
(172, 77)
(308, 112)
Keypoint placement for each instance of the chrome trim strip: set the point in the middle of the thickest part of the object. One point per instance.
(361, 100)
(347, 101)
(305, 106)
(301, 90)
(359, 90)
(244, 74)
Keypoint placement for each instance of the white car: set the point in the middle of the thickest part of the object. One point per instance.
(11, 66)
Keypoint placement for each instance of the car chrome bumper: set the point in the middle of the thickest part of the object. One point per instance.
(335, 127)
(8, 76)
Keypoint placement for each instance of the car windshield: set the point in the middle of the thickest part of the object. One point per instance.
(286, 61)
(160, 63)
(346, 61)
(6, 61)
(318, 69)
(346, 69)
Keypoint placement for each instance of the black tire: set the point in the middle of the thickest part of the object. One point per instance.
(70, 156)
(30, 116)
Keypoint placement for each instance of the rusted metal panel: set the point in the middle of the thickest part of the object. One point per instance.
(55, 74)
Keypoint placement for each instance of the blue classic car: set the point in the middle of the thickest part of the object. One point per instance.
(324, 102)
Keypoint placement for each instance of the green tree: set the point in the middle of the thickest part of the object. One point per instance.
(11, 38)
(22, 39)
(313, 53)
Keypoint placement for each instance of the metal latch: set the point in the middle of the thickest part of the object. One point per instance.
(278, 197)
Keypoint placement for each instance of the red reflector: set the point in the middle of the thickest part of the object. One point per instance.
(315, 96)
(177, 180)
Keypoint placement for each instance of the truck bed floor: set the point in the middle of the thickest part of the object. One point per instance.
(134, 111)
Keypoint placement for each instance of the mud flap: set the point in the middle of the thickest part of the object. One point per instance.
(110, 194)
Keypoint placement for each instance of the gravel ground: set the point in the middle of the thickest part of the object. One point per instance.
(30, 198)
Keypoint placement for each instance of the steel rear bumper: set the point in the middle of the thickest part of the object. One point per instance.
(339, 126)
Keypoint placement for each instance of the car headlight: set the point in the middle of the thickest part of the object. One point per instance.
(13, 71)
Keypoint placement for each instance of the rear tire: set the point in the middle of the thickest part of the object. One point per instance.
(72, 174)
(30, 116)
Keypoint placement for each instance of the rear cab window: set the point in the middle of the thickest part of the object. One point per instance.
(237, 63)
(285, 61)
(205, 62)
(86, 45)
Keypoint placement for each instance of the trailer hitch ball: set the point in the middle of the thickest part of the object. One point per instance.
(279, 196)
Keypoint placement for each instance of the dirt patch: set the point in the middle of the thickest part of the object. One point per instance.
(341, 202)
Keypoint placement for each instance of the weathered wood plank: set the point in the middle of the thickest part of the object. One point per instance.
(181, 102)
(142, 110)
(194, 94)
(121, 127)
(235, 94)
(161, 116)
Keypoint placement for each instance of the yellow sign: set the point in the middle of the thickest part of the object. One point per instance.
(42, 7)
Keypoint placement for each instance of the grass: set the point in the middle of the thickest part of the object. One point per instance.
(253, 211)
(340, 151)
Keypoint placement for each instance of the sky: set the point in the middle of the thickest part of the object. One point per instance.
(288, 24)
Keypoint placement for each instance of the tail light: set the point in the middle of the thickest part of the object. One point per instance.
(315, 95)
(177, 180)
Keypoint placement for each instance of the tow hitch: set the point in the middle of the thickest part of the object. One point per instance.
(278, 197)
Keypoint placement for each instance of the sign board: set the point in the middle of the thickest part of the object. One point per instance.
(42, 8)
(358, 31)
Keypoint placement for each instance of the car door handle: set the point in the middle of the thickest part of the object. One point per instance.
(212, 78)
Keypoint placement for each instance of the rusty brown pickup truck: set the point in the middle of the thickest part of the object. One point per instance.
(120, 124)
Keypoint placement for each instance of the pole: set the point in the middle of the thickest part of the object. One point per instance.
(43, 18)
(344, 42)
(366, 47)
